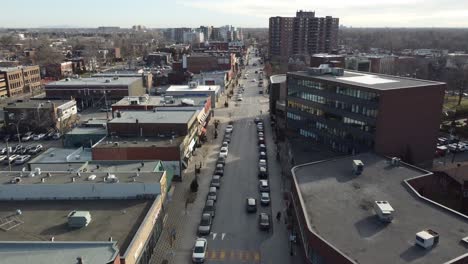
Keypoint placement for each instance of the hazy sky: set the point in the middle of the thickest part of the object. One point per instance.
(242, 13)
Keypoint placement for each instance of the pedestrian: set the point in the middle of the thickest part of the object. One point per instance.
(278, 216)
(173, 234)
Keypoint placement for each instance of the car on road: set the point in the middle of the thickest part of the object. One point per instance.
(50, 135)
(239, 99)
(257, 120)
(260, 134)
(56, 136)
(264, 221)
(219, 172)
(263, 186)
(28, 136)
(205, 225)
(262, 155)
(259, 128)
(39, 137)
(3, 157)
(261, 140)
(199, 250)
(221, 160)
(212, 194)
(251, 205)
(216, 181)
(263, 172)
(225, 144)
(229, 129)
(262, 163)
(223, 152)
(105, 109)
(264, 198)
(209, 207)
(22, 159)
(262, 147)
(253, 80)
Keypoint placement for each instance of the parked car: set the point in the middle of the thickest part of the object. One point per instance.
(239, 99)
(263, 186)
(39, 136)
(264, 221)
(261, 140)
(3, 157)
(22, 159)
(225, 144)
(262, 155)
(105, 109)
(221, 160)
(441, 151)
(199, 250)
(212, 194)
(50, 135)
(263, 172)
(28, 136)
(35, 149)
(56, 136)
(257, 120)
(262, 147)
(3, 151)
(264, 198)
(251, 205)
(11, 159)
(227, 138)
(223, 152)
(229, 128)
(216, 181)
(209, 208)
(205, 225)
(260, 134)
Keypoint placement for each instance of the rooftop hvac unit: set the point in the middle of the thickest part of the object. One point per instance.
(193, 85)
(427, 238)
(358, 167)
(79, 219)
(395, 161)
(38, 171)
(107, 81)
(16, 180)
(188, 102)
(384, 211)
(112, 178)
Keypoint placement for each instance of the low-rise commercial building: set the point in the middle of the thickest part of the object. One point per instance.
(193, 89)
(117, 217)
(335, 218)
(354, 112)
(40, 116)
(95, 91)
(146, 76)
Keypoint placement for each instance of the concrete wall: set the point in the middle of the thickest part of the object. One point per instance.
(46, 191)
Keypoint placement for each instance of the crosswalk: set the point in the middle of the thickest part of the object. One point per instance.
(239, 256)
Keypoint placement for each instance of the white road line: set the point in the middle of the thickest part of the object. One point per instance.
(222, 236)
(214, 236)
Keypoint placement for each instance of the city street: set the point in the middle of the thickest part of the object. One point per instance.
(236, 236)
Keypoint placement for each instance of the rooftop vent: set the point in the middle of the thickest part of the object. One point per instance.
(395, 161)
(427, 238)
(16, 180)
(79, 219)
(384, 211)
(112, 178)
(358, 167)
(107, 81)
(324, 69)
(193, 85)
(91, 177)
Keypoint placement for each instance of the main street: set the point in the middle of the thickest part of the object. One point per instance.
(235, 235)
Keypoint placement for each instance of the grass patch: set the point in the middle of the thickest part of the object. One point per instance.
(451, 102)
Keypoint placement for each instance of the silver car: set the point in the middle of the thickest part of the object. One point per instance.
(205, 225)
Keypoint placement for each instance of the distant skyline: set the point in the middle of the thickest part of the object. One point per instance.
(240, 13)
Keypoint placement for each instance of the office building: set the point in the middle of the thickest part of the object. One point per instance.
(336, 216)
(354, 112)
(19, 80)
(304, 34)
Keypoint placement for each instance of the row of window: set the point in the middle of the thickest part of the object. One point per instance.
(14, 76)
(16, 85)
(305, 108)
(353, 108)
(293, 116)
(365, 95)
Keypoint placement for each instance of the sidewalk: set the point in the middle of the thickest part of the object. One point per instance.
(185, 220)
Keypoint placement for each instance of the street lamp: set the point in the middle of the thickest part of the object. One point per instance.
(17, 130)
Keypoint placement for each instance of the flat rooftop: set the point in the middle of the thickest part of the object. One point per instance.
(94, 81)
(370, 80)
(186, 88)
(120, 166)
(60, 155)
(138, 142)
(339, 208)
(158, 117)
(46, 219)
(159, 101)
(37, 104)
(87, 131)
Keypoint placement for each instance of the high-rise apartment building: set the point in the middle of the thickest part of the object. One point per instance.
(304, 34)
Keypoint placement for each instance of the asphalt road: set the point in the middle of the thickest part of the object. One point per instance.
(236, 237)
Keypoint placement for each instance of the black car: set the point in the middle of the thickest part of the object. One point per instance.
(227, 138)
(262, 155)
(251, 205)
(216, 181)
(221, 160)
(263, 173)
(257, 120)
(261, 140)
(219, 172)
(262, 148)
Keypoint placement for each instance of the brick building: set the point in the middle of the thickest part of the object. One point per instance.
(59, 70)
(205, 62)
(19, 80)
(352, 112)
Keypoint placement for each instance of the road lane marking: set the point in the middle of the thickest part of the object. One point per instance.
(214, 236)
(222, 255)
(222, 236)
(257, 257)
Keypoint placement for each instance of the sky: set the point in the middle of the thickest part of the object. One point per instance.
(240, 13)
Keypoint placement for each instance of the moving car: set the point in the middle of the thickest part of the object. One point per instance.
(205, 225)
(263, 186)
(264, 198)
(251, 205)
(199, 250)
(264, 221)
(209, 208)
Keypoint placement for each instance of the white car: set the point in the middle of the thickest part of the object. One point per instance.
(199, 250)
(223, 152)
(239, 99)
(264, 198)
(22, 159)
(38, 137)
(229, 128)
(254, 80)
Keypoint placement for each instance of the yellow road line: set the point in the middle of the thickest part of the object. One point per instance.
(213, 255)
(257, 257)
(222, 255)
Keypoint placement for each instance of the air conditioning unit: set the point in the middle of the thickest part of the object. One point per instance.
(384, 211)
(358, 167)
(427, 238)
(193, 85)
(395, 161)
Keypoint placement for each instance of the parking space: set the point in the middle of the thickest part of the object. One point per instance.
(24, 151)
